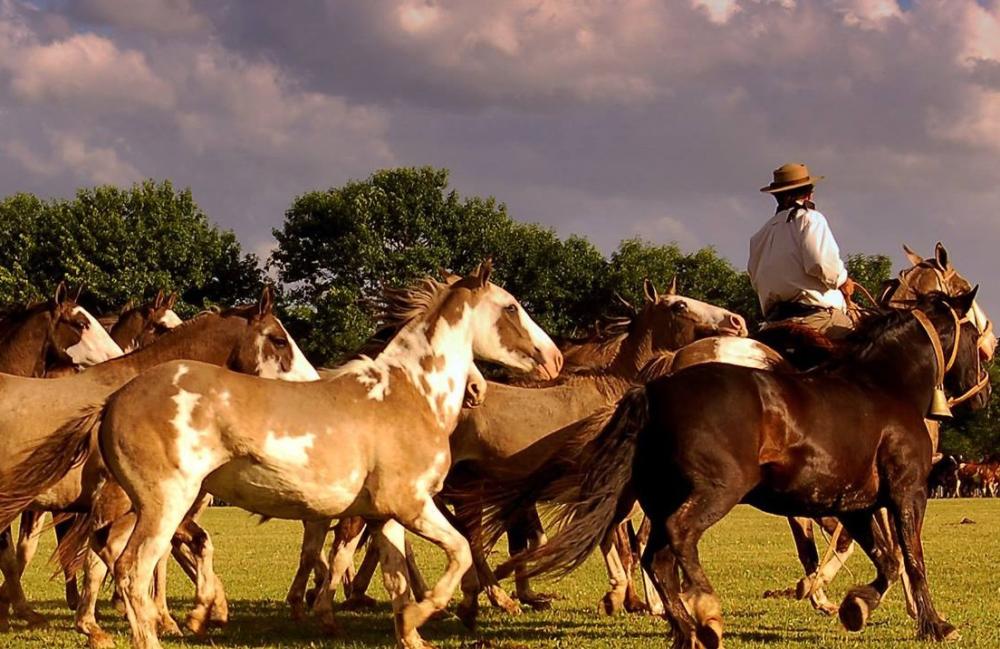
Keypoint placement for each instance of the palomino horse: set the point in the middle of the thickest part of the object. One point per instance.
(519, 428)
(843, 441)
(371, 442)
(34, 341)
(249, 339)
(134, 327)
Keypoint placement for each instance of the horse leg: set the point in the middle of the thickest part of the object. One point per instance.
(167, 626)
(838, 555)
(349, 533)
(313, 538)
(13, 593)
(613, 600)
(199, 543)
(909, 518)
(861, 601)
(343, 532)
(95, 569)
(433, 526)
(390, 544)
(525, 533)
(219, 613)
(159, 513)
(72, 589)
(685, 527)
(625, 542)
(659, 562)
(654, 602)
(468, 519)
(805, 548)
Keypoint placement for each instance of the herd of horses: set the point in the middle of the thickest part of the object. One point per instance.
(125, 435)
(953, 477)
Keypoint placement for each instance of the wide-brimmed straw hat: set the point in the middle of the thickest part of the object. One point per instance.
(791, 176)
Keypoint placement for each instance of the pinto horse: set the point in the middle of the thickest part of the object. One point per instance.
(519, 428)
(137, 326)
(844, 441)
(249, 339)
(371, 441)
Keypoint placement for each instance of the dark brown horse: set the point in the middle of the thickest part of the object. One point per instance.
(845, 440)
(137, 326)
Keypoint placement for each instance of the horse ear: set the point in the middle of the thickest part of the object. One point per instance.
(158, 300)
(266, 300)
(962, 303)
(941, 254)
(912, 256)
(60, 293)
(673, 286)
(172, 300)
(650, 290)
(484, 271)
(79, 291)
(128, 306)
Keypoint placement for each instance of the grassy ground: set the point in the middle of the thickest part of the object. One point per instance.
(745, 555)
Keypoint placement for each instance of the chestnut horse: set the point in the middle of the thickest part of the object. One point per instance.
(248, 338)
(520, 428)
(845, 440)
(371, 442)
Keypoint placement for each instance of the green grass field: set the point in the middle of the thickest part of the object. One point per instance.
(745, 555)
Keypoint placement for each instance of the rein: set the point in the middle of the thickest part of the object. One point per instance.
(943, 366)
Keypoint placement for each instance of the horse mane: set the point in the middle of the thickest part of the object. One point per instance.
(400, 306)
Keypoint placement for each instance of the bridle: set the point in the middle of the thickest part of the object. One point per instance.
(944, 366)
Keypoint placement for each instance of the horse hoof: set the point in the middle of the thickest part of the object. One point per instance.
(710, 634)
(636, 605)
(358, 602)
(311, 596)
(946, 632)
(500, 599)
(827, 609)
(611, 604)
(328, 625)
(854, 613)
(538, 604)
(100, 640)
(34, 620)
(169, 628)
(803, 588)
(297, 613)
(196, 624)
(468, 613)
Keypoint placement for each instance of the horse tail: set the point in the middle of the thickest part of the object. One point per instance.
(74, 542)
(47, 464)
(588, 510)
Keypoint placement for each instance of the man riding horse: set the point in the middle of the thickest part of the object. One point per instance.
(795, 264)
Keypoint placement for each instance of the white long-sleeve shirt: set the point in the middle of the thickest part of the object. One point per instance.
(797, 260)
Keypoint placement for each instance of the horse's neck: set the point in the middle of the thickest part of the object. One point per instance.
(22, 351)
(890, 366)
(436, 357)
(206, 339)
(634, 352)
(126, 329)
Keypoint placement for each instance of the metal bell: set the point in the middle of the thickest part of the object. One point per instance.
(939, 409)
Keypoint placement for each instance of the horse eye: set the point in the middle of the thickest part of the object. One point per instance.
(510, 308)
(680, 306)
(280, 343)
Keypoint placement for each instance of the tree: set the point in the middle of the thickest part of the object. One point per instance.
(871, 271)
(338, 249)
(122, 244)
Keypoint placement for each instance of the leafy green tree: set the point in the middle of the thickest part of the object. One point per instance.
(338, 249)
(122, 244)
(870, 271)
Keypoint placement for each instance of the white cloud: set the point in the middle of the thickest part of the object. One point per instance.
(88, 69)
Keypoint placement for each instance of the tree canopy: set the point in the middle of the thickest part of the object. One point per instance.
(121, 244)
